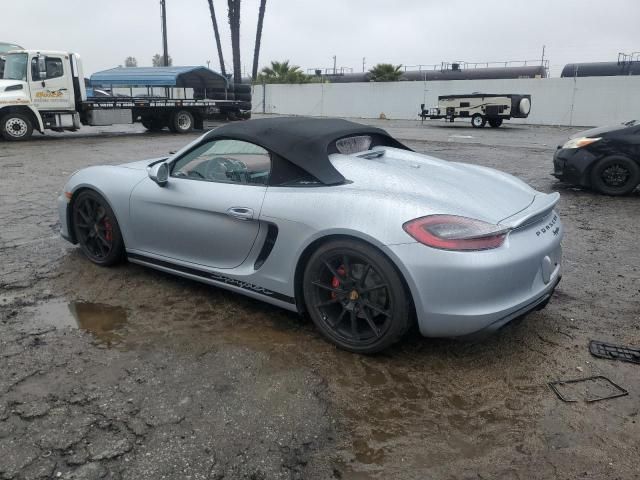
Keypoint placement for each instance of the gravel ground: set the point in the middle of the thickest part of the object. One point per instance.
(167, 378)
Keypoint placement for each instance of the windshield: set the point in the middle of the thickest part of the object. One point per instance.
(15, 67)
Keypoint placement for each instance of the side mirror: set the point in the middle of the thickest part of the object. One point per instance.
(159, 173)
(42, 67)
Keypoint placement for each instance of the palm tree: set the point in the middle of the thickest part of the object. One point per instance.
(234, 24)
(385, 72)
(256, 50)
(282, 72)
(217, 35)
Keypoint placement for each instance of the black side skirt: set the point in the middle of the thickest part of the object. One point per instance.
(216, 277)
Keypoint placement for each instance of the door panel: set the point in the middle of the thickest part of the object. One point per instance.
(192, 220)
(55, 91)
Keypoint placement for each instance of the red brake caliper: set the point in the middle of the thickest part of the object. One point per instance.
(108, 229)
(335, 281)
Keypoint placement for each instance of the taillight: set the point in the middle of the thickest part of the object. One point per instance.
(451, 232)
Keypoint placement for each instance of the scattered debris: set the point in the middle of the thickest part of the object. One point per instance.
(605, 389)
(614, 352)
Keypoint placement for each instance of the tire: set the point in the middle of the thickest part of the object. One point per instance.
(478, 121)
(355, 296)
(615, 175)
(96, 229)
(181, 122)
(495, 122)
(153, 125)
(16, 127)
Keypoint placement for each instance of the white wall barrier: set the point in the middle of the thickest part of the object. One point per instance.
(555, 101)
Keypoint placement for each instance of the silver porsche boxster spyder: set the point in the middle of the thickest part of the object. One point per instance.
(332, 218)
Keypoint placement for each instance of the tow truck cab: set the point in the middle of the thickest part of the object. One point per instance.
(40, 90)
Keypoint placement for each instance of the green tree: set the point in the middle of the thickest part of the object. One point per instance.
(157, 60)
(282, 72)
(130, 62)
(385, 72)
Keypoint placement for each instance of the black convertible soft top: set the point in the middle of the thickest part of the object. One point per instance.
(305, 142)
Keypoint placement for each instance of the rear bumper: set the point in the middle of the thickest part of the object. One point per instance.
(462, 293)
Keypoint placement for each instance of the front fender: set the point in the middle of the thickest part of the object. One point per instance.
(114, 184)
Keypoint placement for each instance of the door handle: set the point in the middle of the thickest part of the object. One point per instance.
(241, 213)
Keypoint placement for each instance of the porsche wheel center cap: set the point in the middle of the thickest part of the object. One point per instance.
(353, 296)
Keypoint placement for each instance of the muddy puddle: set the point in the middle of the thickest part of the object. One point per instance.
(422, 404)
(104, 322)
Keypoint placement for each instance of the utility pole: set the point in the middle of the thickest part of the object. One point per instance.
(363, 64)
(334, 64)
(165, 48)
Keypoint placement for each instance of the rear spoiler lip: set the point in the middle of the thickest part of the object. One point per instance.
(541, 203)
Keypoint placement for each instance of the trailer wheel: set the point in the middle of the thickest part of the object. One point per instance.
(16, 127)
(181, 122)
(478, 121)
(495, 122)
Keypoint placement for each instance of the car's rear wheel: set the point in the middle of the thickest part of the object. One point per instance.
(355, 296)
(478, 121)
(615, 175)
(96, 229)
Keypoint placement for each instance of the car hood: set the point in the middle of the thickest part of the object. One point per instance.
(438, 186)
(142, 164)
(598, 132)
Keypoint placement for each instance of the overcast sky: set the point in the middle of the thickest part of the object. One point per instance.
(309, 33)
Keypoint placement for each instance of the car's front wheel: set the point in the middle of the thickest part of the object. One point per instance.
(615, 175)
(96, 229)
(355, 296)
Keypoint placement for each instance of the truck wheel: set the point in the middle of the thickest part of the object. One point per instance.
(15, 127)
(181, 122)
(495, 122)
(478, 121)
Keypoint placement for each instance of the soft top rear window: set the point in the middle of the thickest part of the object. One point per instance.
(359, 143)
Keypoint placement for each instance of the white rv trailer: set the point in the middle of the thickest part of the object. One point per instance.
(480, 108)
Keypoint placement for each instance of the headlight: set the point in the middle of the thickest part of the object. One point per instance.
(580, 142)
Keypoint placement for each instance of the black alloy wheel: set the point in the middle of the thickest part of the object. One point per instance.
(96, 229)
(355, 296)
(615, 175)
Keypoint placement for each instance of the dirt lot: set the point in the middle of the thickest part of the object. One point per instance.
(167, 378)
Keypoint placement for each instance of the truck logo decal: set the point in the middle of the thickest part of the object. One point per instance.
(50, 93)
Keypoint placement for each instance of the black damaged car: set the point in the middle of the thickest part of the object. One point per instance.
(606, 159)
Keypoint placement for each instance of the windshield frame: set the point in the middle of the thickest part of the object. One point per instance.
(12, 62)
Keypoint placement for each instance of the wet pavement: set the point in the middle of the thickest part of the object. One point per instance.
(131, 373)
